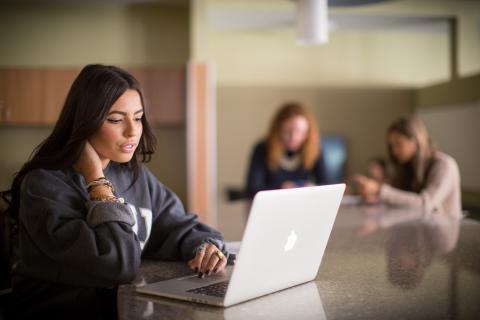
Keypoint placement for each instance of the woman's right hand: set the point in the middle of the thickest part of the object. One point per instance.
(89, 163)
(208, 258)
(369, 189)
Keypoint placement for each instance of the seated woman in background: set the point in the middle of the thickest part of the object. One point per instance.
(423, 177)
(88, 209)
(290, 155)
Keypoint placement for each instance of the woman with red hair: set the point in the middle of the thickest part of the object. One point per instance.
(290, 155)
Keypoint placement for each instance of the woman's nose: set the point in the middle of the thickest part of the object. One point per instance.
(132, 129)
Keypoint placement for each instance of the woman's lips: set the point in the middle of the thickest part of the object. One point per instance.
(128, 147)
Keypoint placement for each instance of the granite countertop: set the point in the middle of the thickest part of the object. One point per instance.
(380, 263)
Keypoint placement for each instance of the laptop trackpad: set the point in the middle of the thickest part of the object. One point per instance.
(194, 281)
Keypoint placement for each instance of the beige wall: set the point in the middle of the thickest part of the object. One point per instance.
(169, 162)
(147, 35)
(17, 144)
(361, 115)
(466, 13)
(455, 130)
(364, 59)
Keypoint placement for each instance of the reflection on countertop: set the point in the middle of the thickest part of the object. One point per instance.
(411, 248)
(286, 304)
(380, 263)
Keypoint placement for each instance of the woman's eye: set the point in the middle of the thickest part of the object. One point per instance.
(114, 120)
(138, 119)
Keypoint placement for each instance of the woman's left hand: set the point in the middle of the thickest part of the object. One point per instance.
(208, 259)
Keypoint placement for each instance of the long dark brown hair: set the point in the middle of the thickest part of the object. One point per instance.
(275, 149)
(411, 176)
(86, 107)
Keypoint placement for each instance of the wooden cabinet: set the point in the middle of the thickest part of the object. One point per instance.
(36, 96)
(165, 94)
(20, 96)
(33, 96)
(56, 84)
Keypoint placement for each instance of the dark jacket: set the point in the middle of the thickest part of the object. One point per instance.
(260, 177)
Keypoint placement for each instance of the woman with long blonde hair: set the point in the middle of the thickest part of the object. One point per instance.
(290, 155)
(423, 178)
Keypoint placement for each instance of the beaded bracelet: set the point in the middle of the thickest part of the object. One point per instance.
(102, 181)
(93, 182)
(104, 198)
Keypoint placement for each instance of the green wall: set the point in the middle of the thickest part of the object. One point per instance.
(65, 35)
(456, 91)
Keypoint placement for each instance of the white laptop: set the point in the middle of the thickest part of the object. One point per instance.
(282, 246)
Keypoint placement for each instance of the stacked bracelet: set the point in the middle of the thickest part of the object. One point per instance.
(102, 181)
(104, 198)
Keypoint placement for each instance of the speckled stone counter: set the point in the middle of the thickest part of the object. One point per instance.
(380, 263)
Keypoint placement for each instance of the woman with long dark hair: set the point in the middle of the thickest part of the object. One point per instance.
(290, 155)
(423, 177)
(88, 210)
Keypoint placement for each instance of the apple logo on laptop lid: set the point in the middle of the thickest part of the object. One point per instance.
(291, 240)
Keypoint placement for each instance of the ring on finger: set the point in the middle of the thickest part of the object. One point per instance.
(219, 254)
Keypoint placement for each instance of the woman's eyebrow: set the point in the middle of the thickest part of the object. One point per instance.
(124, 113)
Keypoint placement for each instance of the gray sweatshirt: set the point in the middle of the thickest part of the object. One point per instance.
(67, 239)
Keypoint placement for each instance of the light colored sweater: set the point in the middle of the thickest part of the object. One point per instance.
(441, 193)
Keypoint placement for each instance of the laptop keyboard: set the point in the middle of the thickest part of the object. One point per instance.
(216, 290)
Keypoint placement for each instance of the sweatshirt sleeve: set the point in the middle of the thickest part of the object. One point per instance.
(175, 233)
(68, 241)
(439, 183)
